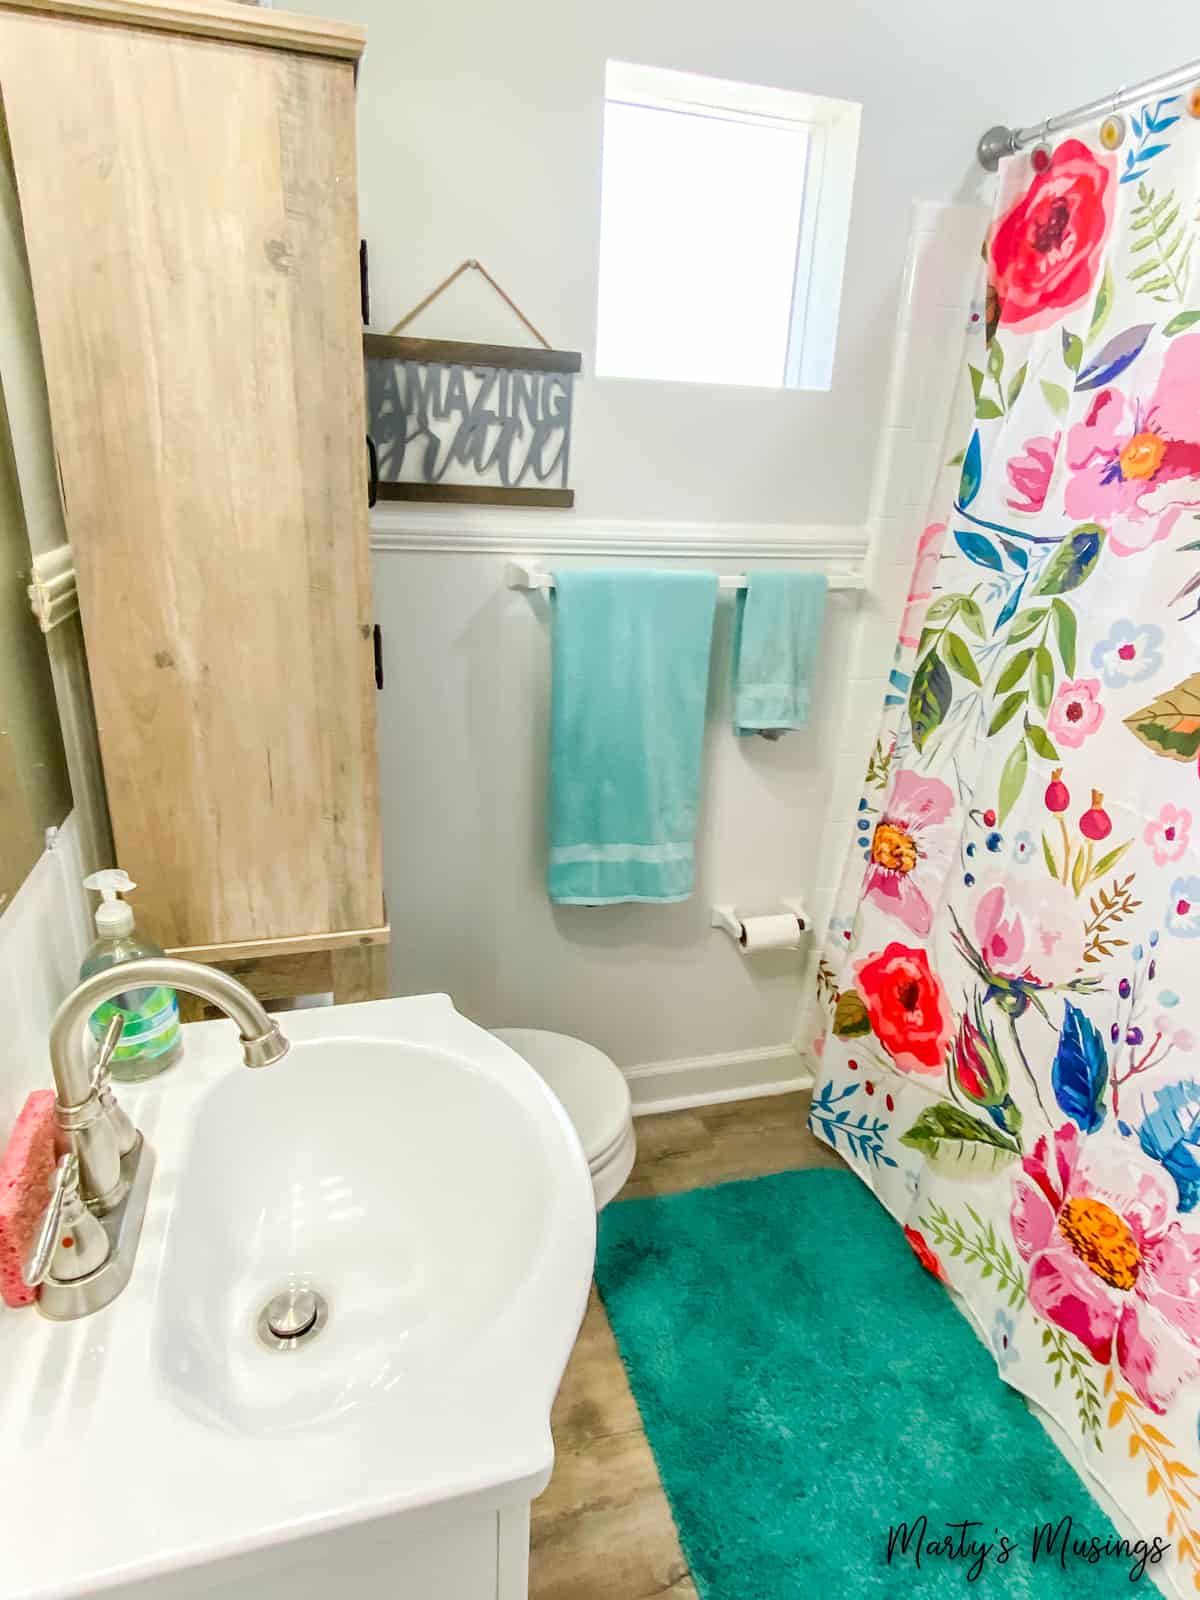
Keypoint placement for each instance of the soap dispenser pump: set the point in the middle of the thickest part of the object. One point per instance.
(151, 1039)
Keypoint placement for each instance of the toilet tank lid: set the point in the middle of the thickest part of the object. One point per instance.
(588, 1084)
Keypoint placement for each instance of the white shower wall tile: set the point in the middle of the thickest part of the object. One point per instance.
(935, 391)
(914, 466)
(947, 242)
(940, 279)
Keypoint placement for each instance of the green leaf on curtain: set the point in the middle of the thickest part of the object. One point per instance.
(1051, 864)
(970, 614)
(986, 410)
(1104, 304)
(1106, 863)
(1057, 397)
(1040, 742)
(1167, 241)
(995, 361)
(1185, 319)
(1170, 725)
(1043, 678)
(972, 472)
(1073, 561)
(1007, 710)
(1072, 350)
(958, 656)
(929, 698)
(1014, 671)
(976, 382)
(1017, 384)
(850, 1016)
(1079, 873)
(1064, 632)
(1025, 623)
(958, 1145)
(944, 606)
(1012, 779)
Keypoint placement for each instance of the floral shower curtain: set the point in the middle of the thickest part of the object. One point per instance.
(1011, 1056)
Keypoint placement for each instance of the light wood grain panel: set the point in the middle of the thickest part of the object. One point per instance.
(265, 949)
(190, 214)
(360, 973)
(214, 19)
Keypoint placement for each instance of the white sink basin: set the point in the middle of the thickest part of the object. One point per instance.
(406, 1185)
(409, 1167)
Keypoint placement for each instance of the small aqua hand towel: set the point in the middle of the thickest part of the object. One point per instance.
(776, 637)
(629, 685)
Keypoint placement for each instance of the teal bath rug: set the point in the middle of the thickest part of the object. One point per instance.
(807, 1388)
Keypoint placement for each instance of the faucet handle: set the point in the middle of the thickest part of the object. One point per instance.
(65, 1181)
(109, 1043)
(102, 1085)
(69, 1236)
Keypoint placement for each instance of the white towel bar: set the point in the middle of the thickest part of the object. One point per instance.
(523, 575)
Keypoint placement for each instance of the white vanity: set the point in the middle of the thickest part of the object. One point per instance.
(415, 1177)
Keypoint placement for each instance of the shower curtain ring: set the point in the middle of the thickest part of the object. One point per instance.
(1112, 129)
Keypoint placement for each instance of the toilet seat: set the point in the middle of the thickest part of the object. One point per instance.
(592, 1090)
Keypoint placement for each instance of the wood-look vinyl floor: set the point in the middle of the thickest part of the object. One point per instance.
(603, 1529)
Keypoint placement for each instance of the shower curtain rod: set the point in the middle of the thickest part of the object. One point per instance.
(1000, 141)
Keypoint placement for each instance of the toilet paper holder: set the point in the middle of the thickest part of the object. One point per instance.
(726, 918)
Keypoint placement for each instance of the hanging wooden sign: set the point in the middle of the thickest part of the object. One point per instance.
(480, 424)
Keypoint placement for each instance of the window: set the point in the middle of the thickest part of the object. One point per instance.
(724, 214)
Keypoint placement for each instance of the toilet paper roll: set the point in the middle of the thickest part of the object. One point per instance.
(781, 932)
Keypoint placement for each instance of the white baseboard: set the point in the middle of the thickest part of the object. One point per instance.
(711, 1080)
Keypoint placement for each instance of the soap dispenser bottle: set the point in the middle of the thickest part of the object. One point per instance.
(151, 1039)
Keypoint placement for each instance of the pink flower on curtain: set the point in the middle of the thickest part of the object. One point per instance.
(907, 1007)
(1076, 712)
(1167, 834)
(1030, 473)
(1135, 464)
(1046, 250)
(1029, 930)
(1108, 1265)
(920, 589)
(911, 850)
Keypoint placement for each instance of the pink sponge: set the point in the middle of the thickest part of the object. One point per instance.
(25, 1170)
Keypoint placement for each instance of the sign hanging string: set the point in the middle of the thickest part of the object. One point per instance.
(464, 266)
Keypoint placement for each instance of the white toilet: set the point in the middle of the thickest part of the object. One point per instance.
(592, 1091)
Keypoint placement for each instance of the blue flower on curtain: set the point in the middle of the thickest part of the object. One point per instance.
(1130, 652)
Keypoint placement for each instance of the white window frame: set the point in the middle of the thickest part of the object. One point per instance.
(833, 129)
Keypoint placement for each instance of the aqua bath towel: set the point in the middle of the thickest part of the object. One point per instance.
(776, 641)
(630, 681)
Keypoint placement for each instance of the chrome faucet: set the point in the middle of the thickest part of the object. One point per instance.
(109, 1165)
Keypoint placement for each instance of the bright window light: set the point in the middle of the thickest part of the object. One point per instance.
(724, 212)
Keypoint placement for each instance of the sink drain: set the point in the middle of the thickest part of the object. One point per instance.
(292, 1319)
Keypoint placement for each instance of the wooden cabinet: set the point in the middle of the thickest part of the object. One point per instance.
(186, 176)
